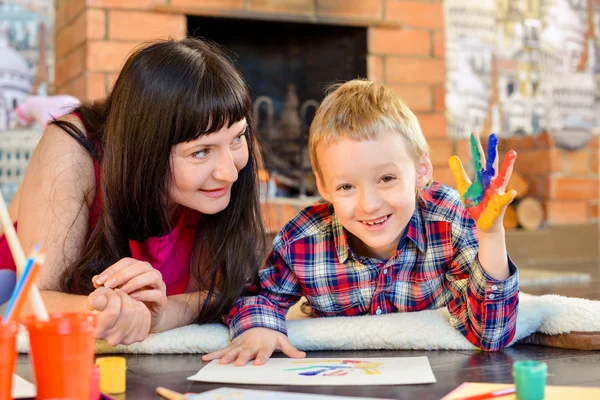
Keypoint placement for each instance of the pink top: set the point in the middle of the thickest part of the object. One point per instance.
(170, 254)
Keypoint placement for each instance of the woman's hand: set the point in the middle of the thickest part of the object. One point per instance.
(139, 280)
(120, 319)
(485, 199)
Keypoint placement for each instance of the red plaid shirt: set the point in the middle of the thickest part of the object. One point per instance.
(436, 265)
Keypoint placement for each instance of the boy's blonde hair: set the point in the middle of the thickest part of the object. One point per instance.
(361, 110)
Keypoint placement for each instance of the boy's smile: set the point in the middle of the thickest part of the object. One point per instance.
(372, 186)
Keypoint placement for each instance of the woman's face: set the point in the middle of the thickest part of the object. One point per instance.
(204, 169)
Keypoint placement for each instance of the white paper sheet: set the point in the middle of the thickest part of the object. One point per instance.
(22, 388)
(247, 394)
(322, 371)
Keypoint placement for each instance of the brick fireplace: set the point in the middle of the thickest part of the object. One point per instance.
(404, 48)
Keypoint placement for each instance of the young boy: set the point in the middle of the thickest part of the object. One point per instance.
(386, 239)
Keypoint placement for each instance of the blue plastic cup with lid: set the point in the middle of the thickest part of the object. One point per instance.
(530, 379)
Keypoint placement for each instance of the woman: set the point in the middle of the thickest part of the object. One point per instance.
(147, 202)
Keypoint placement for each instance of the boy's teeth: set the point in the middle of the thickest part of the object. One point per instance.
(379, 221)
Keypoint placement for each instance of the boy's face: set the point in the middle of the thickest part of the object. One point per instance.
(372, 186)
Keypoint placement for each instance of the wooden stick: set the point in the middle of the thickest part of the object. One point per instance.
(19, 256)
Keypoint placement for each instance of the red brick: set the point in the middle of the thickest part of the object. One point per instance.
(544, 139)
(463, 151)
(108, 56)
(95, 24)
(574, 189)
(439, 98)
(538, 161)
(441, 151)
(215, 4)
(375, 68)
(417, 97)
(70, 66)
(87, 25)
(112, 78)
(75, 87)
(439, 44)
(74, 9)
(594, 163)
(399, 42)
(415, 70)
(576, 162)
(60, 17)
(415, 13)
(433, 126)
(95, 85)
(296, 7)
(566, 212)
(126, 4)
(444, 175)
(593, 210)
(136, 25)
(360, 9)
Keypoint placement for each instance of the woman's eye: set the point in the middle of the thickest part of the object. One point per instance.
(387, 178)
(345, 187)
(201, 154)
(238, 139)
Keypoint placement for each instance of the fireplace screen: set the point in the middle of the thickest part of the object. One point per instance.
(288, 66)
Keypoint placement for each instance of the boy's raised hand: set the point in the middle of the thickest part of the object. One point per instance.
(255, 344)
(485, 198)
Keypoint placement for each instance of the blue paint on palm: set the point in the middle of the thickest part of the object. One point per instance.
(476, 191)
(488, 173)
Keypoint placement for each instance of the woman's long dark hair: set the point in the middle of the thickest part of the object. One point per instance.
(168, 93)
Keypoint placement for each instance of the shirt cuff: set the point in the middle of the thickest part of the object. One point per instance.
(257, 313)
(494, 290)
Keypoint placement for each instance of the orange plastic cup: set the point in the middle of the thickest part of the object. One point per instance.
(62, 354)
(8, 335)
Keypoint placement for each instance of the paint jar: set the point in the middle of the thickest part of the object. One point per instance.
(530, 379)
(95, 383)
(113, 373)
(8, 335)
(62, 354)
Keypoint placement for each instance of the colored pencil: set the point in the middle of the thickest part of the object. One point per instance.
(19, 256)
(23, 288)
(490, 395)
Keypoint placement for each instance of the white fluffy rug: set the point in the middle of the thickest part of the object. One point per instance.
(424, 330)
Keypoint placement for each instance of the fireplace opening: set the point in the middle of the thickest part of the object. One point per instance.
(287, 66)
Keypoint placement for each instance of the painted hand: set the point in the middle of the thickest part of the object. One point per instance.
(485, 198)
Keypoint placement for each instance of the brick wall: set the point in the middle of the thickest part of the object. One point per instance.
(566, 182)
(405, 50)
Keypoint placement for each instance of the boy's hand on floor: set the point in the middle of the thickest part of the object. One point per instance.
(485, 198)
(255, 344)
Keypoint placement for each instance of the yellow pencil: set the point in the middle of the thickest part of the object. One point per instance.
(169, 394)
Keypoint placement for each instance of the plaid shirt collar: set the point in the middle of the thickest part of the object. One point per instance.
(416, 232)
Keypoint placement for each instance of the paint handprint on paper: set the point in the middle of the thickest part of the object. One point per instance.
(336, 367)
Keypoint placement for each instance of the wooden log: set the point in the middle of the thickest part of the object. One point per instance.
(518, 183)
(530, 213)
(510, 218)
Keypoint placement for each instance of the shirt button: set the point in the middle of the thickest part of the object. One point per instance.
(385, 271)
(378, 312)
(494, 287)
(492, 296)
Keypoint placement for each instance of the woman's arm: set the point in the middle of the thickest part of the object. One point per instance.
(52, 208)
(181, 310)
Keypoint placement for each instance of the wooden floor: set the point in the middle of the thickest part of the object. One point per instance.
(451, 368)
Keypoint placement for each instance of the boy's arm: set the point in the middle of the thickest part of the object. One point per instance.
(279, 290)
(483, 308)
